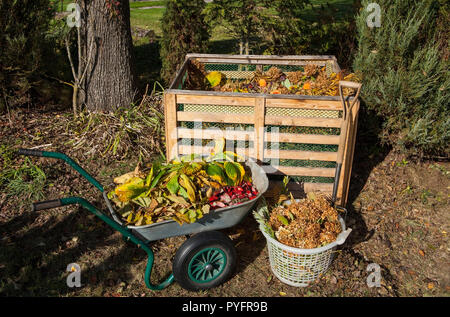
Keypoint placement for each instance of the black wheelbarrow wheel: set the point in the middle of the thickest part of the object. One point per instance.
(204, 261)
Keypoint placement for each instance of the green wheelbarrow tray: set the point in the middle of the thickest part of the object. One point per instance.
(216, 219)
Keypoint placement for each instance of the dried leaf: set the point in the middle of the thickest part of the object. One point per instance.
(205, 209)
(178, 200)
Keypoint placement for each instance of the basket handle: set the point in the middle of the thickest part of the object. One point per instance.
(343, 236)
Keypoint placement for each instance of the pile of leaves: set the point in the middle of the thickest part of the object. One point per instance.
(309, 223)
(312, 80)
(183, 190)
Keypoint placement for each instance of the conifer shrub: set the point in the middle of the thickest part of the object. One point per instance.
(405, 75)
(184, 31)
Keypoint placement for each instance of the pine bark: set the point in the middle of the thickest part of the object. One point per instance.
(106, 34)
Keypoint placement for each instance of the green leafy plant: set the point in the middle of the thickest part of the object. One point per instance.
(262, 216)
(25, 183)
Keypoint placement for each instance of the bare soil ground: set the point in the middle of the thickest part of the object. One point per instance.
(398, 211)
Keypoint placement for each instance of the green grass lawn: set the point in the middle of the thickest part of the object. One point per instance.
(141, 4)
(148, 19)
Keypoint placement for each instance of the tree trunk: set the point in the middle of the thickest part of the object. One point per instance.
(106, 34)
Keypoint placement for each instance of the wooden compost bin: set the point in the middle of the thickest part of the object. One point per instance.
(300, 133)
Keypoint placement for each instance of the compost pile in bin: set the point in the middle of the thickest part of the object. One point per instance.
(183, 190)
(309, 223)
(313, 80)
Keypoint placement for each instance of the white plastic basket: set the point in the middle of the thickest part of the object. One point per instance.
(299, 267)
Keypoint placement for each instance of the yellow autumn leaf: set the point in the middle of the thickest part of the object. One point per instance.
(189, 186)
(214, 78)
(241, 171)
(131, 189)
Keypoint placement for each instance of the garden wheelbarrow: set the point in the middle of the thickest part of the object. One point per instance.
(204, 260)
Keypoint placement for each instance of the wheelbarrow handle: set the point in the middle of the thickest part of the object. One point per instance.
(48, 204)
(68, 160)
(29, 152)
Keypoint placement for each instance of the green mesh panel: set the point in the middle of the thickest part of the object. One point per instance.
(301, 146)
(302, 130)
(219, 125)
(242, 67)
(241, 71)
(215, 108)
(307, 163)
(276, 111)
(308, 113)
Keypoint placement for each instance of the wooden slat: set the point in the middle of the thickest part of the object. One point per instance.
(249, 95)
(170, 126)
(215, 100)
(179, 75)
(252, 61)
(259, 127)
(300, 187)
(190, 149)
(304, 104)
(303, 121)
(300, 155)
(216, 133)
(215, 117)
(301, 138)
(230, 57)
(262, 59)
(267, 59)
(300, 171)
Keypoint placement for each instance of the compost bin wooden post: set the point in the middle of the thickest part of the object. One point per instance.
(170, 114)
(259, 114)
